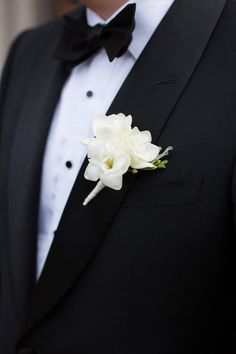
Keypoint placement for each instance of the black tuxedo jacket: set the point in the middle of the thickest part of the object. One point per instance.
(149, 269)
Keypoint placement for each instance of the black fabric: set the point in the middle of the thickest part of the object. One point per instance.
(79, 40)
(151, 268)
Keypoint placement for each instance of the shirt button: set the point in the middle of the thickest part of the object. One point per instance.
(69, 164)
(89, 94)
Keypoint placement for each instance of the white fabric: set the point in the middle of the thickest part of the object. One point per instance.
(75, 112)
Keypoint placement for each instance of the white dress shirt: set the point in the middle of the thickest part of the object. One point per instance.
(88, 92)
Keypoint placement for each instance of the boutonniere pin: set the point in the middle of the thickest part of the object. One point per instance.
(118, 148)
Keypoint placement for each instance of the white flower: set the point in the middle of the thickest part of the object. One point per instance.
(142, 152)
(116, 148)
(108, 162)
(116, 126)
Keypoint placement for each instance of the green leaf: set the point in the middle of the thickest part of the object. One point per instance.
(161, 164)
(133, 171)
(150, 168)
(157, 165)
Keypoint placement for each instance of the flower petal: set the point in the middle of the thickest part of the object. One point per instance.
(114, 182)
(92, 172)
(96, 149)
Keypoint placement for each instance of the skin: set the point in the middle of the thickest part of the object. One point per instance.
(104, 8)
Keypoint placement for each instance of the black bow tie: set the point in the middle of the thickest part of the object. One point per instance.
(79, 40)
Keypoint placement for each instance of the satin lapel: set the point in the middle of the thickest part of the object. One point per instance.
(170, 58)
(25, 172)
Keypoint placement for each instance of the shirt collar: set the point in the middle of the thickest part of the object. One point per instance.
(149, 14)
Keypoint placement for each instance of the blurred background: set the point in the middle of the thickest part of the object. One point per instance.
(17, 15)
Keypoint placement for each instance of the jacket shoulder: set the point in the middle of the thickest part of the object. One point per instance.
(37, 40)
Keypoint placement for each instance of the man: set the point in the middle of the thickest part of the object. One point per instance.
(149, 268)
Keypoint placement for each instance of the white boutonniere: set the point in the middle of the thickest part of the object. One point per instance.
(118, 148)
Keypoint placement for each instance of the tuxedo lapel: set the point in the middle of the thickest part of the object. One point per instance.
(25, 172)
(150, 93)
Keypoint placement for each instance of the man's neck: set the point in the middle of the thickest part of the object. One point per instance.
(104, 8)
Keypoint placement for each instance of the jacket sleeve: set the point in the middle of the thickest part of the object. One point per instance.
(233, 266)
(6, 73)
(5, 76)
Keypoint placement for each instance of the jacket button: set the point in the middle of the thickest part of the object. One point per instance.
(26, 351)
